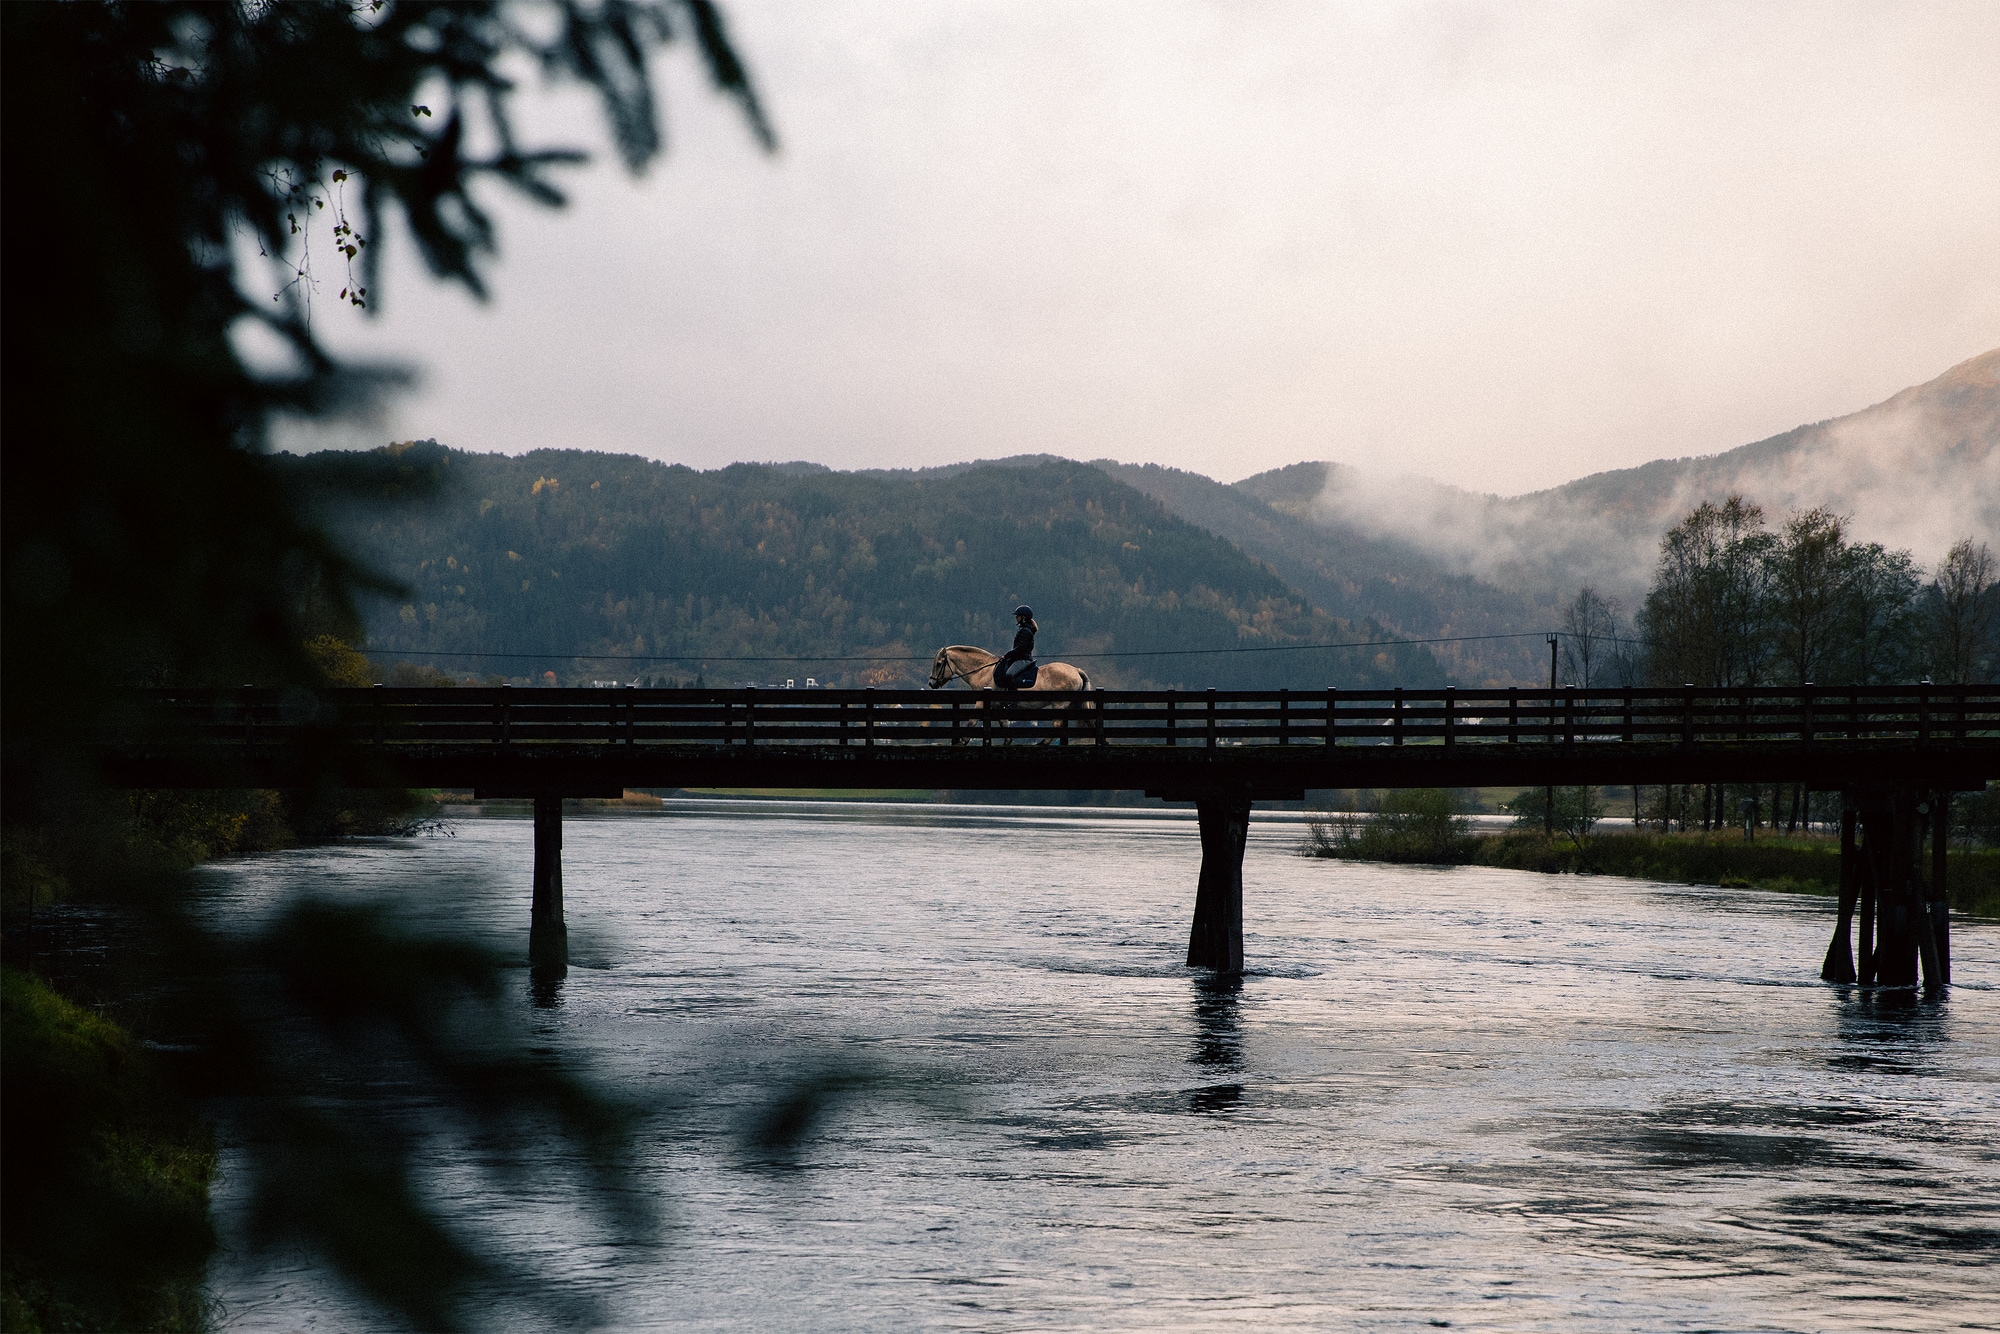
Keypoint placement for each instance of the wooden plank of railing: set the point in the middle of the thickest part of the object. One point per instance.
(1396, 727)
(1211, 719)
(1331, 726)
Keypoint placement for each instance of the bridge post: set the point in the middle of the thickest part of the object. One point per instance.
(548, 937)
(1940, 899)
(1839, 965)
(1891, 889)
(1216, 939)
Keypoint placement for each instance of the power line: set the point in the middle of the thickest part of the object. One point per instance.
(926, 657)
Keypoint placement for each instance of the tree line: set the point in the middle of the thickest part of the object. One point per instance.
(1737, 602)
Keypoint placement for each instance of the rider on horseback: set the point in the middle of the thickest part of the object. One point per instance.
(1016, 668)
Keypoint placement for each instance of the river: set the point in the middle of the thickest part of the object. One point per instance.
(1458, 1097)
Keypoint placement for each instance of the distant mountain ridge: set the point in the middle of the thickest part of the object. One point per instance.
(1918, 470)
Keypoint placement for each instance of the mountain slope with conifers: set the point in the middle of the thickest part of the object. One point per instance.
(589, 564)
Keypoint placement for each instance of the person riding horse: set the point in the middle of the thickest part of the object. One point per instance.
(1016, 668)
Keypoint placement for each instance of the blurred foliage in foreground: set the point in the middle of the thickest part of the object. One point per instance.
(106, 1187)
(168, 166)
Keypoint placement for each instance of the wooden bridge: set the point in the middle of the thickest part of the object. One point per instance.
(1895, 752)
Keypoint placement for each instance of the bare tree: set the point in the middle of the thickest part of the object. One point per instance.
(1590, 636)
(1961, 607)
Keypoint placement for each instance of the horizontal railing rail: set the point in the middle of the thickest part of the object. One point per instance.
(508, 720)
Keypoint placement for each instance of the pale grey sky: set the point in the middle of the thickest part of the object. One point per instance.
(1500, 244)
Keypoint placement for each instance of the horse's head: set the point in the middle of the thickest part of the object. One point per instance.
(941, 669)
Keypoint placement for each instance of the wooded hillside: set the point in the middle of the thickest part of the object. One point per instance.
(597, 565)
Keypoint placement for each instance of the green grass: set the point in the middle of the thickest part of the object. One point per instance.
(105, 1179)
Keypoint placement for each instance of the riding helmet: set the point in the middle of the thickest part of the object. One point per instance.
(1025, 610)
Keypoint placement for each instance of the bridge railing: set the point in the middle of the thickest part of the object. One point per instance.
(485, 718)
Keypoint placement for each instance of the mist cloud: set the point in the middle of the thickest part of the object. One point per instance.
(1919, 471)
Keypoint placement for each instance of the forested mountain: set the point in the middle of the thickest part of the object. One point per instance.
(597, 565)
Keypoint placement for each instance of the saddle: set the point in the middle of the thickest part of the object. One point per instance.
(1017, 675)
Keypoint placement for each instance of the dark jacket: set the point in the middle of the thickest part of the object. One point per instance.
(1024, 646)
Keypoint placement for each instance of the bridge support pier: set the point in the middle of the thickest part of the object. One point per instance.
(1839, 965)
(548, 936)
(1216, 939)
(1904, 923)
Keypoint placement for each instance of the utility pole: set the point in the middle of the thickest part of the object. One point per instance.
(1549, 798)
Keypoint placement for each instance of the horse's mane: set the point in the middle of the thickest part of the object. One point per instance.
(969, 648)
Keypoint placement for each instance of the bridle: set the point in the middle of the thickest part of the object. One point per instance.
(959, 676)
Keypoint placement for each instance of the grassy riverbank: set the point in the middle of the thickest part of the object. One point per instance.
(106, 1189)
(1785, 865)
(1792, 866)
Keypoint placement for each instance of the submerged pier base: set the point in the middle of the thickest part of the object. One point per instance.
(1216, 939)
(1223, 814)
(1904, 920)
(548, 936)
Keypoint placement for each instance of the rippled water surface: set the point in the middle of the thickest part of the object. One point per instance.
(1487, 1099)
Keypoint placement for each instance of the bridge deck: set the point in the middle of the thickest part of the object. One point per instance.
(1264, 742)
(1887, 747)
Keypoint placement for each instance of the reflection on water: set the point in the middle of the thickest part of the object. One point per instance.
(922, 1068)
(1218, 1042)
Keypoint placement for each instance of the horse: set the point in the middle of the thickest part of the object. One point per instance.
(974, 666)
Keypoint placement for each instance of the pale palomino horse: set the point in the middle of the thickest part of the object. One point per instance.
(974, 666)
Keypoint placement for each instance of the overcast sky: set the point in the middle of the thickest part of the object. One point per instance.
(1499, 244)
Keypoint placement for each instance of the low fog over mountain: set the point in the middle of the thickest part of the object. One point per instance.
(1920, 470)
